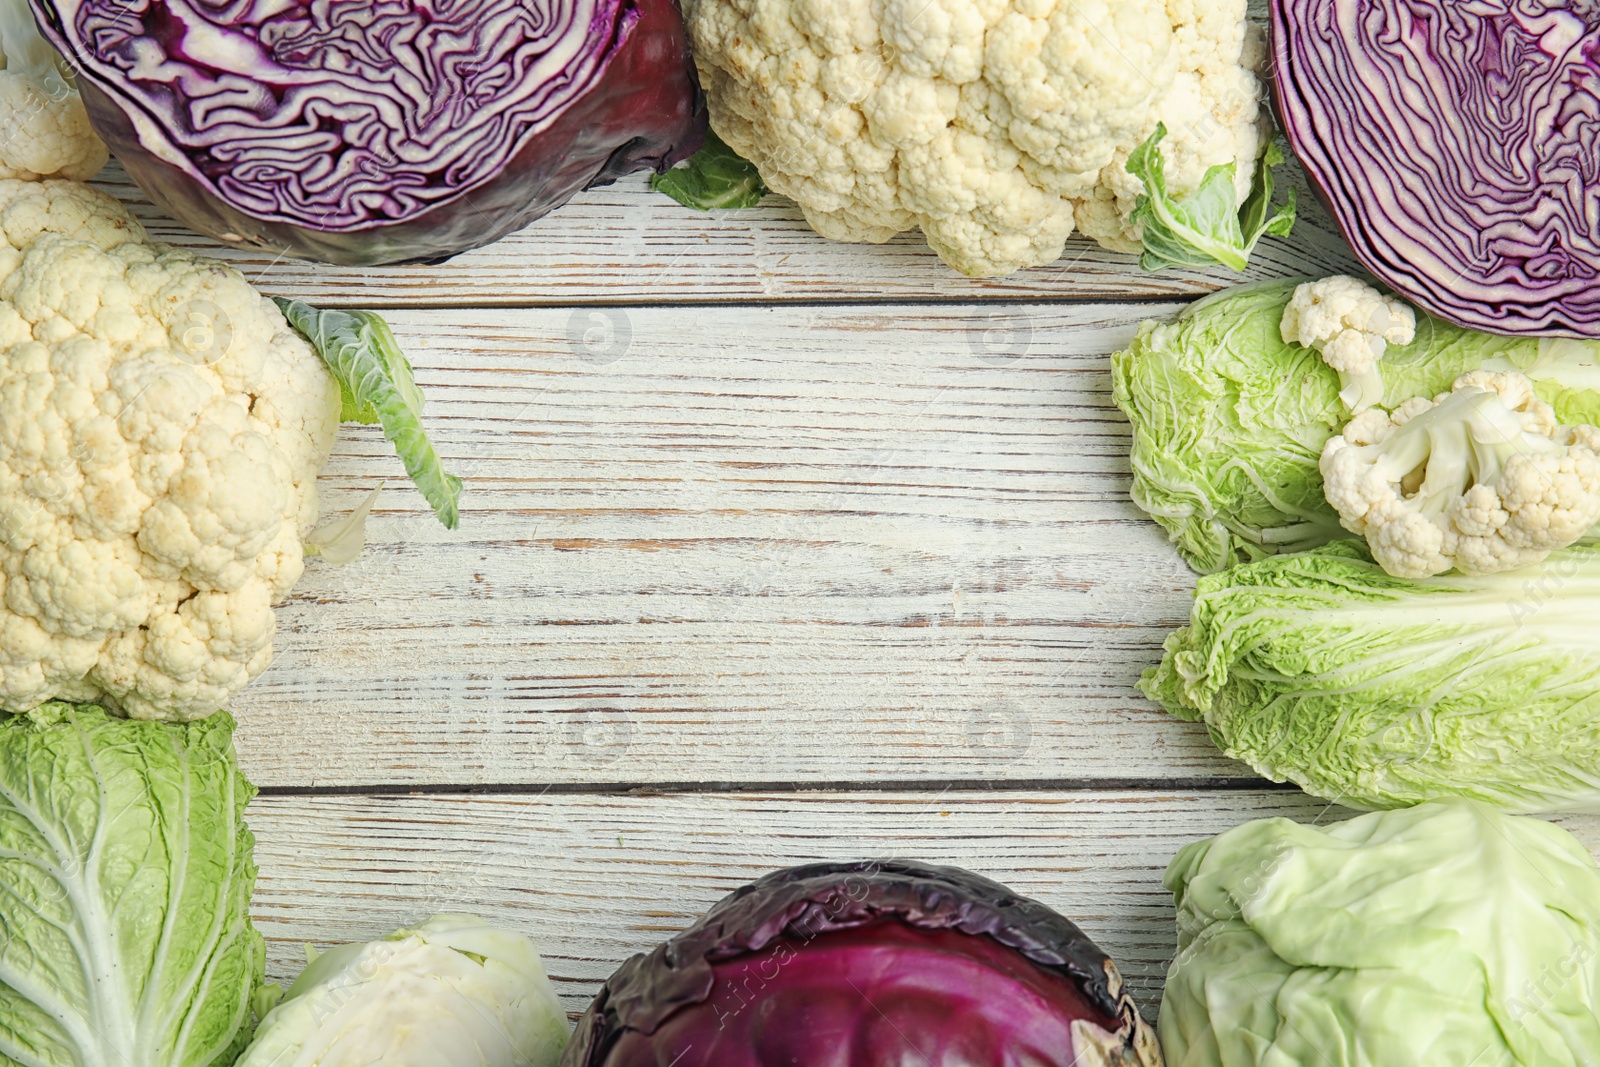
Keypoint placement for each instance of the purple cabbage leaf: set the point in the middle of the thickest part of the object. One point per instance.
(1456, 145)
(871, 964)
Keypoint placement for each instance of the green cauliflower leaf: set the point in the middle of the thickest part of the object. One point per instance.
(714, 177)
(1209, 225)
(377, 386)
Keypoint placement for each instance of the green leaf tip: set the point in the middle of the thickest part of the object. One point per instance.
(1206, 227)
(715, 177)
(376, 386)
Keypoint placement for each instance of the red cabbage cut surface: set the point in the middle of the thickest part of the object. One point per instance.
(379, 131)
(868, 965)
(1458, 145)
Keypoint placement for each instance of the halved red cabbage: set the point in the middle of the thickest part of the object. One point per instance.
(379, 131)
(1458, 145)
(872, 964)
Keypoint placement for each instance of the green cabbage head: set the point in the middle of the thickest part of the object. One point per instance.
(454, 992)
(1379, 692)
(1447, 934)
(1229, 420)
(125, 879)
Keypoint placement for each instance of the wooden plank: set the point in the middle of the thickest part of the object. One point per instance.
(627, 244)
(760, 545)
(596, 879)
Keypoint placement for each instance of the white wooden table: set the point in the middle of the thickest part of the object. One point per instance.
(773, 550)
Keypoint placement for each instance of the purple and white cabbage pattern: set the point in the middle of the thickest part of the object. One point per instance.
(341, 114)
(356, 117)
(1458, 145)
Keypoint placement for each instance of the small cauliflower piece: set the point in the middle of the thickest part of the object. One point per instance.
(996, 127)
(1480, 479)
(1351, 325)
(161, 429)
(47, 132)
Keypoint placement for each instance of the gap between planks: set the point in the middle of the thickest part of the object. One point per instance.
(910, 786)
(624, 245)
(593, 880)
(747, 535)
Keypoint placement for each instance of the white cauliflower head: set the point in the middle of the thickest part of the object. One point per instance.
(1351, 325)
(1480, 479)
(44, 129)
(161, 428)
(995, 126)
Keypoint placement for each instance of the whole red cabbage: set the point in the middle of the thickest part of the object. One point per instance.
(872, 964)
(378, 131)
(1458, 145)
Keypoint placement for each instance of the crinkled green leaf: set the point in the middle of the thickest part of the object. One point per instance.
(1446, 933)
(714, 177)
(1374, 691)
(1229, 420)
(1228, 426)
(1207, 226)
(376, 384)
(125, 877)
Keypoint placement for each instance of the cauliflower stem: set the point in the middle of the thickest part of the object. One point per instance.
(1464, 441)
(1351, 326)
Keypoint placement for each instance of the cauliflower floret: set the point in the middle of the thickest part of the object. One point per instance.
(1481, 479)
(161, 429)
(1351, 325)
(47, 132)
(994, 126)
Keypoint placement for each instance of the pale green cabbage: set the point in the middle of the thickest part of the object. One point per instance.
(1229, 420)
(125, 879)
(1375, 691)
(453, 992)
(1445, 935)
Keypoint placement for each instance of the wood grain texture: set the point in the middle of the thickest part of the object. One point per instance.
(594, 880)
(745, 506)
(759, 545)
(626, 244)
